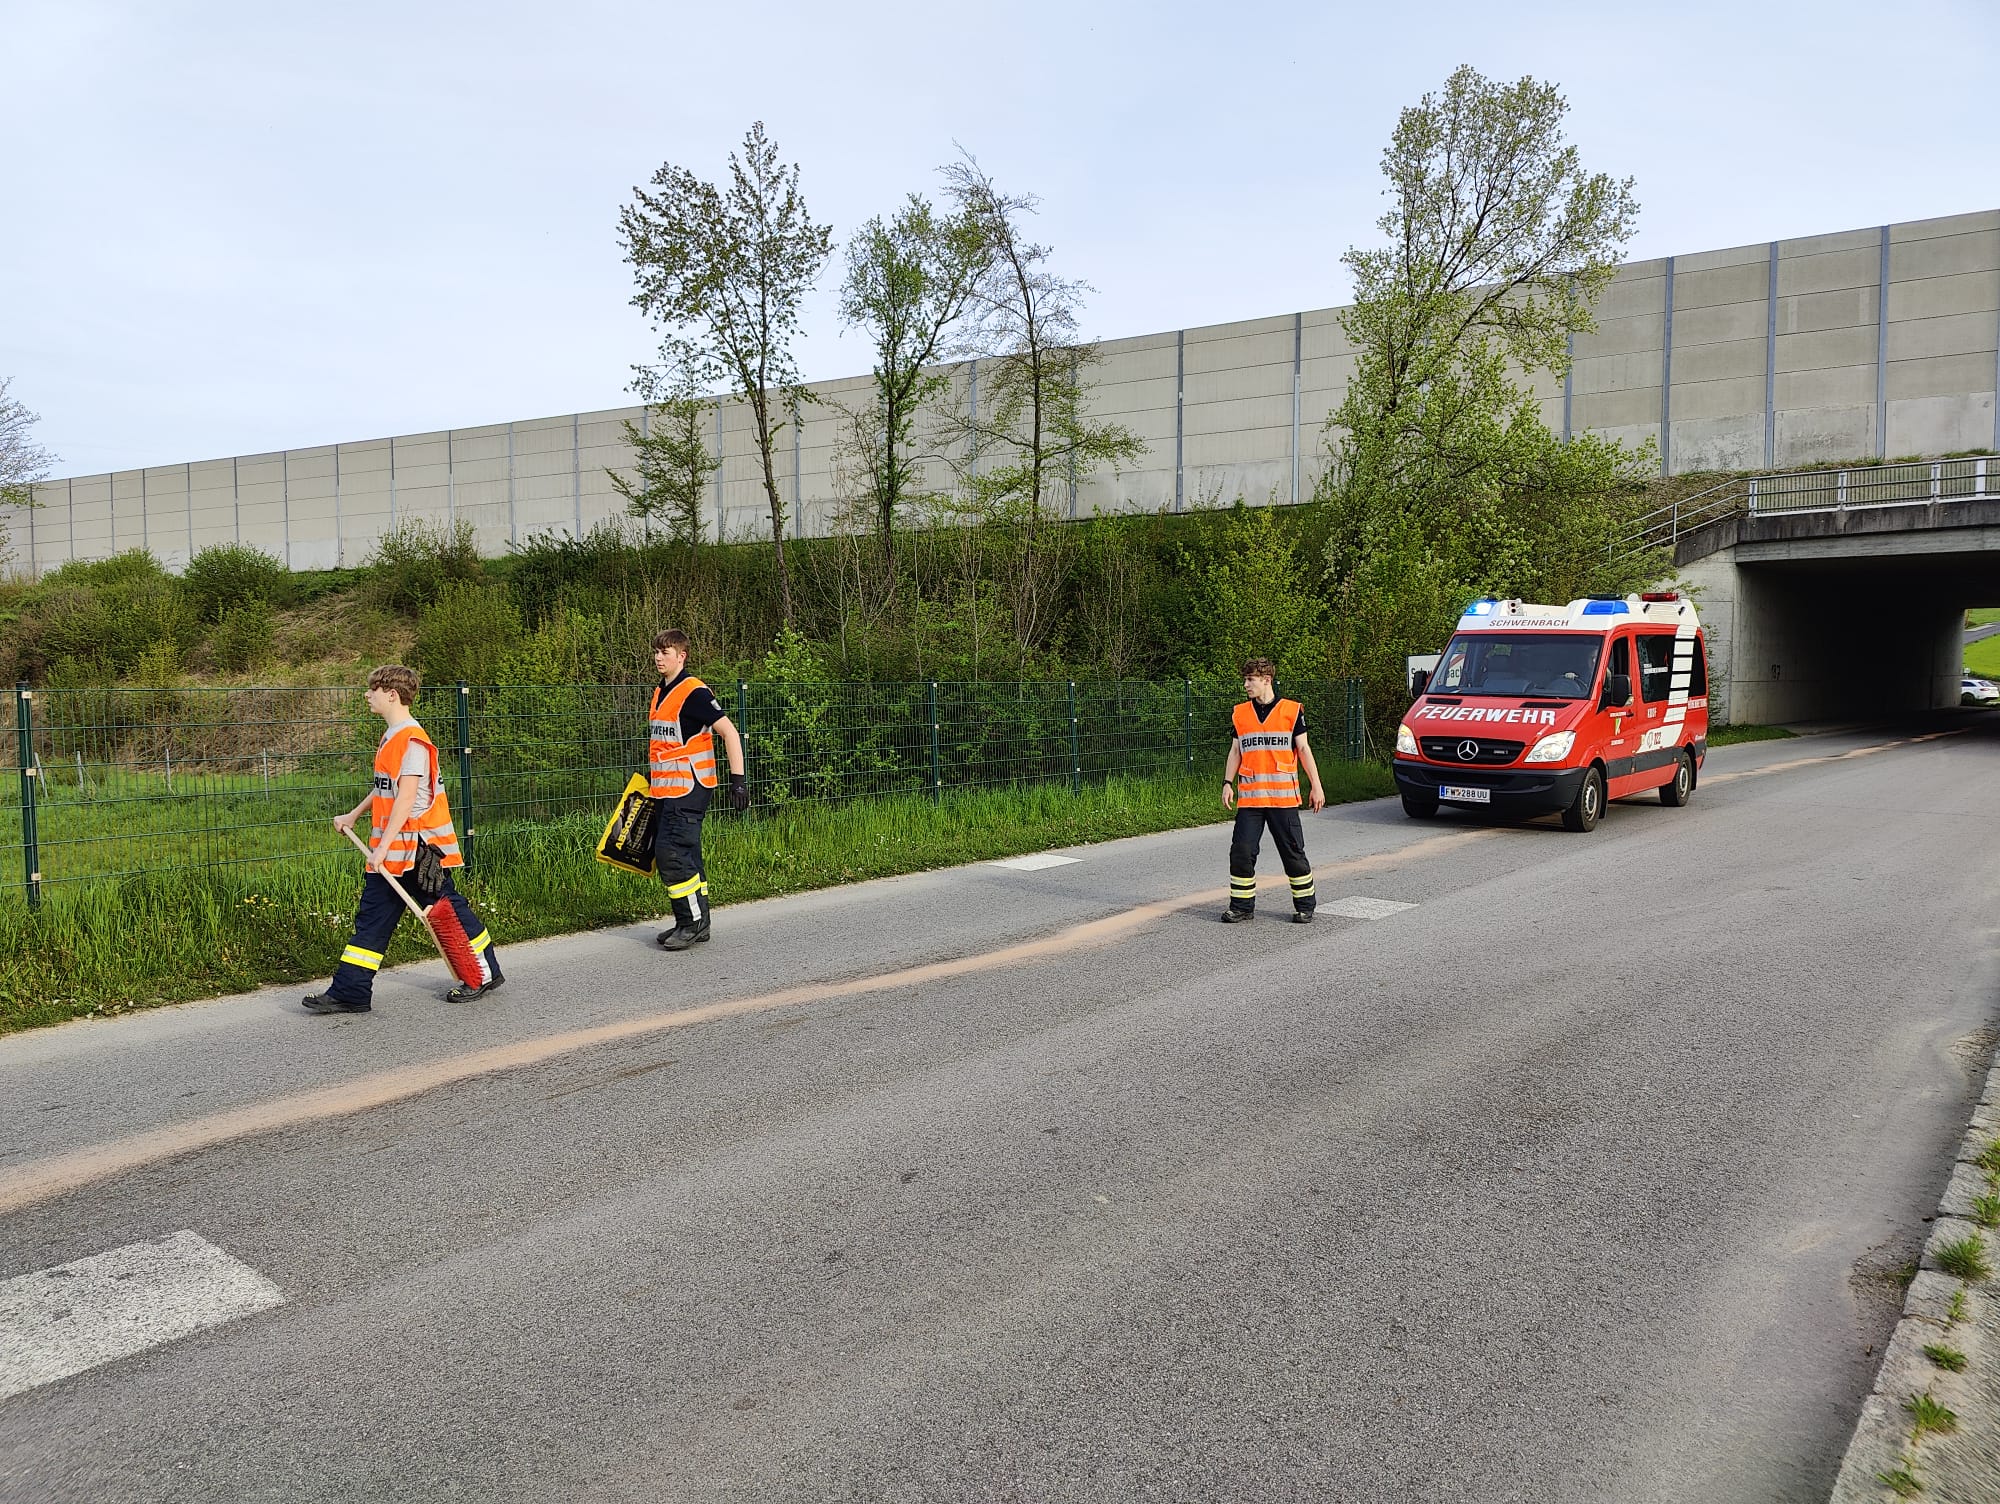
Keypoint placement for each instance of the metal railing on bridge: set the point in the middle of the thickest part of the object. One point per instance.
(1909, 483)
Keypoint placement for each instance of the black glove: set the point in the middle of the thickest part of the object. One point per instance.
(739, 792)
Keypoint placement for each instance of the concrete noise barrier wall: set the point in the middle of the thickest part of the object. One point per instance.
(1866, 343)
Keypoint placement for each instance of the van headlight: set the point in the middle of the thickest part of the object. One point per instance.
(1552, 748)
(1406, 744)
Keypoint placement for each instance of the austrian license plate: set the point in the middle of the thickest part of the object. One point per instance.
(1461, 795)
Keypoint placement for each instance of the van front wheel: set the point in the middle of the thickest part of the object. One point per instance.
(1676, 794)
(1419, 808)
(1587, 808)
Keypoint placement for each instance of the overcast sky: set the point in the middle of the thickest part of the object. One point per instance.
(232, 228)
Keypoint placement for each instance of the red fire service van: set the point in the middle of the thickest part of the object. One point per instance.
(1539, 708)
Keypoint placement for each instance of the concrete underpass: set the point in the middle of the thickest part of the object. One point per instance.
(1841, 614)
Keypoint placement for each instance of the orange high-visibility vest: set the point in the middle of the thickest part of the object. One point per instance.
(1267, 776)
(674, 766)
(434, 824)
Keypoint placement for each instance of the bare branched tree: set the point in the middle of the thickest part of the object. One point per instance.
(722, 271)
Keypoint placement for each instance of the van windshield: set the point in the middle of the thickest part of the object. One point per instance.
(1539, 665)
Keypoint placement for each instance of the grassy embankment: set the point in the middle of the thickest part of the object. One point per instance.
(1723, 736)
(104, 946)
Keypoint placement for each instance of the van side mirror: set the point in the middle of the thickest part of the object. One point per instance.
(1419, 681)
(1617, 691)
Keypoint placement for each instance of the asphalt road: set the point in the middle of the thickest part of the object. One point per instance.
(1579, 1178)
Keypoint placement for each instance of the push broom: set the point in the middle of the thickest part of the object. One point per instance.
(447, 931)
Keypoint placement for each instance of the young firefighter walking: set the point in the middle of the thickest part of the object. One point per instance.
(683, 722)
(405, 806)
(1261, 779)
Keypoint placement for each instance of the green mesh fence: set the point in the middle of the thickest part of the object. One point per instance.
(120, 781)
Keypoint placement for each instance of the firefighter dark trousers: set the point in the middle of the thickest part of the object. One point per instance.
(677, 854)
(375, 921)
(1290, 837)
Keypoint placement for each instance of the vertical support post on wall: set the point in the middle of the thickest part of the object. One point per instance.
(513, 529)
(336, 507)
(236, 493)
(1072, 447)
(31, 855)
(1180, 414)
(1298, 395)
(1187, 720)
(1075, 744)
(972, 411)
(1667, 378)
(1771, 362)
(937, 765)
(1882, 352)
(450, 482)
(285, 473)
(145, 514)
(1569, 381)
(69, 487)
(392, 481)
(576, 472)
(721, 516)
(187, 477)
(463, 816)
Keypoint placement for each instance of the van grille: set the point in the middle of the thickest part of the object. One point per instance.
(1487, 753)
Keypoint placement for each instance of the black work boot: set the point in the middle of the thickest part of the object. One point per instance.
(681, 936)
(320, 1002)
(1238, 916)
(465, 992)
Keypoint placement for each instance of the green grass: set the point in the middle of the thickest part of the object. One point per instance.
(1983, 657)
(1986, 1210)
(167, 936)
(1901, 1480)
(1985, 616)
(1989, 1158)
(1723, 736)
(1966, 1259)
(1948, 1358)
(1957, 1310)
(1927, 1414)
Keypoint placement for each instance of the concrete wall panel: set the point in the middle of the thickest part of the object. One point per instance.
(1954, 334)
(1718, 443)
(1724, 321)
(1831, 387)
(1734, 397)
(1757, 253)
(1719, 362)
(1936, 297)
(1832, 272)
(1828, 349)
(1826, 433)
(1949, 256)
(1808, 313)
(1943, 424)
(1636, 335)
(1634, 294)
(1741, 283)
(1941, 376)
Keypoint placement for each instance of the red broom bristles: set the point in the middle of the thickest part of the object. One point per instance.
(455, 943)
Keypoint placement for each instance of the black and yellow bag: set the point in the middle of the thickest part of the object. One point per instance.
(628, 838)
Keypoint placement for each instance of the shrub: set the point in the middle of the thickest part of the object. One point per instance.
(242, 638)
(226, 576)
(463, 635)
(132, 567)
(414, 561)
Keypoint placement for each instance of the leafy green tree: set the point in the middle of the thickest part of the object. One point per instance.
(910, 281)
(722, 272)
(1444, 482)
(22, 460)
(671, 466)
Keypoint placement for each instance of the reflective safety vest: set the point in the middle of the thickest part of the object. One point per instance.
(434, 824)
(673, 765)
(1268, 775)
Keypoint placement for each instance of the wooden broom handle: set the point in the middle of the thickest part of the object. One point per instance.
(408, 902)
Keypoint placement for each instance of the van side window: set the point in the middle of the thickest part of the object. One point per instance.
(1698, 680)
(1621, 657)
(1656, 666)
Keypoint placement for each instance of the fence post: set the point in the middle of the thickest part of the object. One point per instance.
(742, 716)
(31, 856)
(465, 772)
(1357, 723)
(1187, 719)
(937, 771)
(1075, 746)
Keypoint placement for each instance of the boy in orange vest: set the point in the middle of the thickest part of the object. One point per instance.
(406, 805)
(1261, 779)
(682, 724)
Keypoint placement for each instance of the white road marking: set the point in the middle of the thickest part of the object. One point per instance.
(62, 1321)
(1038, 861)
(1357, 907)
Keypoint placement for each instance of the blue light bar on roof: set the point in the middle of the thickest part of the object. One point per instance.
(1482, 607)
(1606, 608)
